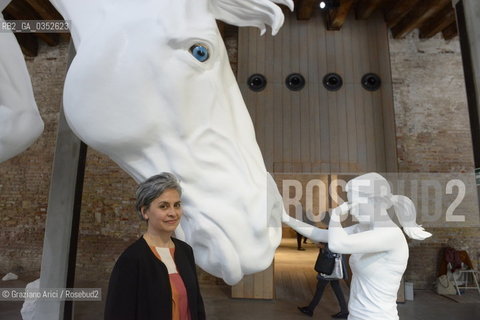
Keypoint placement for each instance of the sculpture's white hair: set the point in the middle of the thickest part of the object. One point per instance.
(251, 13)
(377, 186)
(407, 215)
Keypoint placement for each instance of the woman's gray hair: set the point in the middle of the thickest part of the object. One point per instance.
(152, 188)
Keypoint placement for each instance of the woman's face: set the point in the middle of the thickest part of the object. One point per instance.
(164, 212)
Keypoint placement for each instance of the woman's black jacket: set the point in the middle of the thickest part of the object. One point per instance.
(139, 287)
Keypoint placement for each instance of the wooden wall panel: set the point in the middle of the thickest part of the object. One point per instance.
(315, 130)
(256, 286)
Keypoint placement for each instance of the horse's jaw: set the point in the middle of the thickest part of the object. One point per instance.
(231, 216)
(225, 243)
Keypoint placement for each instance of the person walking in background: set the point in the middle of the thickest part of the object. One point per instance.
(299, 242)
(299, 236)
(321, 284)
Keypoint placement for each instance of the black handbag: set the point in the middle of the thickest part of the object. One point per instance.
(325, 261)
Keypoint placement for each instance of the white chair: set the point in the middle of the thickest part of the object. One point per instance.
(463, 281)
(466, 277)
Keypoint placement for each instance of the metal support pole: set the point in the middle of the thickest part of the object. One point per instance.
(63, 216)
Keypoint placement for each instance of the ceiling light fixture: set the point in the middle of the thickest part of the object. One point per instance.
(329, 4)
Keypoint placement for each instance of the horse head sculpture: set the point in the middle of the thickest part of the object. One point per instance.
(151, 87)
(20, 122)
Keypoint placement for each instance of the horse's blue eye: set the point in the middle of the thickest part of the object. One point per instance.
(200, 52)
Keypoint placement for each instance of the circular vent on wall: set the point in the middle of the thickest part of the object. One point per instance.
(371, 82)
(257, 82)
(332, 81)
(295, 82)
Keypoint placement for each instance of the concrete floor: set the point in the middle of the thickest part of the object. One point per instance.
(427, 306)
(290, 294)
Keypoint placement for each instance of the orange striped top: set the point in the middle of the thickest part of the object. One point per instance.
(180, 310)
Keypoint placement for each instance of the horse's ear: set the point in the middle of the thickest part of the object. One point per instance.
(251, 13)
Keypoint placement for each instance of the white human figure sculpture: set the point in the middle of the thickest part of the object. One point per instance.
(151, 87)
(20, 122)
(378, 247)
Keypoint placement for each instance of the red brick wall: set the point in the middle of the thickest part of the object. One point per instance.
(25, 179)
(433, 135)
(108, 222)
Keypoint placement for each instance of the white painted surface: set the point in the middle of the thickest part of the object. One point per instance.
(20, 122)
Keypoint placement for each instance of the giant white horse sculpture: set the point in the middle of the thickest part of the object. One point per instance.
(151, 87)
(20, 122)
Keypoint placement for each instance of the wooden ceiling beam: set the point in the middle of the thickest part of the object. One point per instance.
(28, 43)
(387, 4)
(365, 8)
(305, 8)
(400, 9)
(45, 9)
(450, 32)
(424, 10)
(437, 23)
(337, 16)
(21, 10)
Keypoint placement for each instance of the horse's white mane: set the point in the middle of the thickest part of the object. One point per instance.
(241, 13)
(251, 13)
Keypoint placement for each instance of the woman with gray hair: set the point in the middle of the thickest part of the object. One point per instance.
(155, 277)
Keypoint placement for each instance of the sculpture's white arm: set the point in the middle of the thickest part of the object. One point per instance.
(351, 229)
(20, 122)
(376, 240)
(311, 232)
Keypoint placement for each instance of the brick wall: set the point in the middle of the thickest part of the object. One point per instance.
(432, 136)
(108, 222)
(431, 115)
(25, 179)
